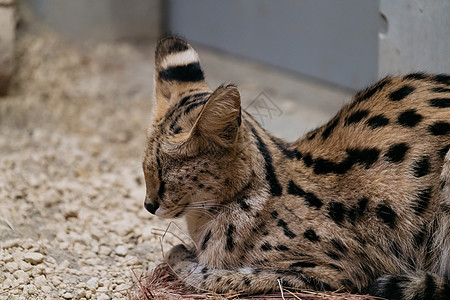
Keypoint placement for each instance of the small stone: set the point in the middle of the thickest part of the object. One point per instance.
(88, 294)
(121, 250)
(11, 267)
(30, 289)
(10, 244)
(7, 283)
(33, 257)
(102, 297)
(122, 287)
(24, 266)
(46, 288)
(92, 283)
(56, 280)
(40, 281)
(21, 276)
(104, 250)
(81, 294)
(8, 258)
(67, 295)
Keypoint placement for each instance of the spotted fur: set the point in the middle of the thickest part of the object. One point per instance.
(361, 203)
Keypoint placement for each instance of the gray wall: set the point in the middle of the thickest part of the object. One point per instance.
(100, 20)
(336, 41)
(417, 37)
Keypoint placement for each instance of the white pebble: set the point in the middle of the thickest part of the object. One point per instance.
(92, 283)
(67, 295)
(24, 266)
(104, 250)
(21, 276)
(102, 297)
(29, 289)
(11, 267)
(33, 257)
(10, 244)
(121, 250)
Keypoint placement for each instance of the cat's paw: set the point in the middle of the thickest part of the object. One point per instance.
(180, 253)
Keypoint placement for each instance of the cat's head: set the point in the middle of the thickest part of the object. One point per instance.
(191, 156)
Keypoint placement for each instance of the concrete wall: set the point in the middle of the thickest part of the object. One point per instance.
(100, 20)
(336, 41)
(416, 38)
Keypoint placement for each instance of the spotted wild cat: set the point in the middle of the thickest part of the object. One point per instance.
(361, 203)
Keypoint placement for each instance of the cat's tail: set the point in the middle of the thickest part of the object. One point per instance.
(417, 286)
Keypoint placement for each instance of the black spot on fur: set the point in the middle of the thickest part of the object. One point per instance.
(442, 78)
(287, 232)
(397, 152)
(369, 92)
(205, 240)
(275, 187)
(422, 201)
(266, 246)
(377, 121)
(439, 128)
(387, 215)
(312, 200)
(281, 248)
(336, 211)
(358, 210)
(440, 90)
(230, 242)
(274, 214)
(389, 287)
(440, 102)
(311, 235)
(430, 288)
(307, 159)
(177, 130)
(417, 76)
(303, 264)
(284, 148)
(188, 73)
(422, 166)
(401, 93)
(333, 255)
(365, 157)
(444, 151)
(356, 117)
(247, 281)
(339, 246)
(409, 118)
(329, 128)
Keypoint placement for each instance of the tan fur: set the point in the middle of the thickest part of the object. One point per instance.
(364, 196)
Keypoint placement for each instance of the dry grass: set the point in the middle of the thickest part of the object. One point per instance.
(160, 284)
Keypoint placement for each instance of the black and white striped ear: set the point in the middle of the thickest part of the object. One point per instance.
(177, 70)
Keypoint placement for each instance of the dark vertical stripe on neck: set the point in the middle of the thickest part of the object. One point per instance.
(275, 187)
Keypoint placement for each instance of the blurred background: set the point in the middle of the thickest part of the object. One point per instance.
(327, 45)
(76, 85)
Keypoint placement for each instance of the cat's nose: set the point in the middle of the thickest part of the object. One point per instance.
(151, 206)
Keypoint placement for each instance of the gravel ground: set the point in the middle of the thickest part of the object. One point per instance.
(72, 134)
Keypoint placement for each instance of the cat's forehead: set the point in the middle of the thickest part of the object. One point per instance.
(183, 112)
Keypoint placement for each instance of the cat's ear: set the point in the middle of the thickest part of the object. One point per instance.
(220, 118)
(177, 70)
